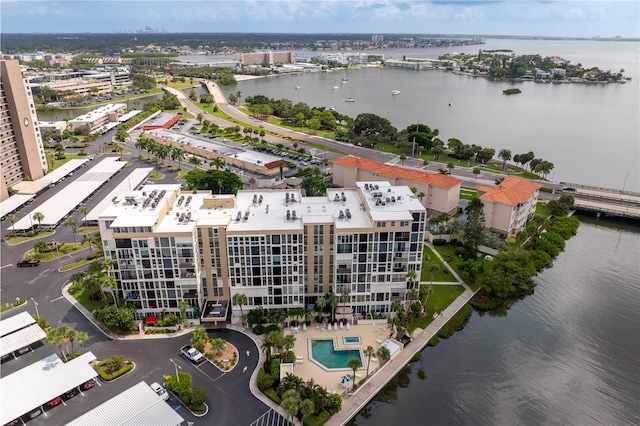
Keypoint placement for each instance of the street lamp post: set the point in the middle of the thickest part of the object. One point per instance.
(176, 366)
(36, 306)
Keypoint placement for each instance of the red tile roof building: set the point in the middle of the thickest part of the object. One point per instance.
(441, 193)
(510, 205)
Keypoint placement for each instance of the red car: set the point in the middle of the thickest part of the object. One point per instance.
(55, 401)
(89, 384)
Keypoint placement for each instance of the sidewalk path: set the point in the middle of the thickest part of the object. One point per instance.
(353, 403)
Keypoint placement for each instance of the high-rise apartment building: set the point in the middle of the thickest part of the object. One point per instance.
(279, 249)
(22, 153)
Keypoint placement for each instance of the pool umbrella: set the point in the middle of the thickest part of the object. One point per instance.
(344, 380)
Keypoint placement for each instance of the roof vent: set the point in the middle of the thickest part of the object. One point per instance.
(347, 213)
(293, 215)
(238, 216)
(288, 214)
(341, 215)
(366, 186)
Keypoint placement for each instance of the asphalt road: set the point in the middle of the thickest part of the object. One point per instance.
(228, 395)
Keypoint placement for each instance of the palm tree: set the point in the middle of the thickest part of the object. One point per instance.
(58, 337)
(383, 353)
(369, 352)
(195, 161)
(218, 345)
(281, 167)
(291, 402)
(240, 299)
(425, 163)
(411, 277)
(396, 306)
(86, 238)
(217, 162)
(288, 342)
(183, 305)
(109, 282)
(450, 166)
(354, 364)
(177, 154)
(307, 408)
(73, 224)
(39, 217)
(320, 305)
(85, 210)
(252, 182)
(332, 300)
(476, 171)
(504, 155)
(80, 337)
(267, 347)
(403, 158)
(13, 219)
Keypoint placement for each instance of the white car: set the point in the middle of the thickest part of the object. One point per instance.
(162, 392)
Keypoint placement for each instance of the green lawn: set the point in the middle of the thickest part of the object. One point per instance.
(448, 252)
(65, 249)
(67, 158)
(542, 210)
(441, 296)
(82, 296)
(429, 257)
(20, 239)
(8, 306)
(468, 193)
(178, 84)
(78, 263)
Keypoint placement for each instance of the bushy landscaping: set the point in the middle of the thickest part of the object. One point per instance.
(180, 385)
(441, 296)
(112, 368)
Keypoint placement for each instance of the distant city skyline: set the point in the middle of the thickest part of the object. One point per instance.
(552, 18)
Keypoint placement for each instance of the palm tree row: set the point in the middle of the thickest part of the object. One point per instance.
(64, 334)
(159, 151)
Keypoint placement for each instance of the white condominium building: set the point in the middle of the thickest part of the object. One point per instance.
(276, 247)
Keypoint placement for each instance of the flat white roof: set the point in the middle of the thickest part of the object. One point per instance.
(231, 149)
(41, 382)
(68, 167)
(15, 323)
(98, 112)
(137, 406)
(20, 339)
(135, 178)
(262, 210)
(14, 202)
(54, 210)
(128, 116)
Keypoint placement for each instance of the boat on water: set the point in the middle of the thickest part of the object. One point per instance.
(349, 100)
(344, 80)
(297, 87)
(395, 92)
(336, 87)
(332, 109)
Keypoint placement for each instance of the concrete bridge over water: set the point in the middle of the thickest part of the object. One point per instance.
(603, 201)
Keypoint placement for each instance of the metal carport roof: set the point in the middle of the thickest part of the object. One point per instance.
(41, 382)
(137, 406)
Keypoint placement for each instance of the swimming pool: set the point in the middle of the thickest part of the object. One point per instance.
(323, 352)
(351, 340)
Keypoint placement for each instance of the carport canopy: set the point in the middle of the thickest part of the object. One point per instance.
(138, 405)
(40, 382)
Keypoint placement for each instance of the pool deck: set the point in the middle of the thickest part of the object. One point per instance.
(370, 335)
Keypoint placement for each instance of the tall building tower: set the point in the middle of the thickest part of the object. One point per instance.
(22, 152)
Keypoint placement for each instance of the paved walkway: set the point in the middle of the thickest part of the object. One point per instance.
(352, 405)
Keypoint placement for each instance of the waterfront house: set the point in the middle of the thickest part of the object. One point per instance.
(510, 205)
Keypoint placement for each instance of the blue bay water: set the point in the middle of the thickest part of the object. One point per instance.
(591, 133)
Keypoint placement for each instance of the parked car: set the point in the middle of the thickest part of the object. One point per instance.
(33, 414)
(28, 262)
(192, 354)
(55, 401)
(88, 384)
(159, 390)
(67, 396)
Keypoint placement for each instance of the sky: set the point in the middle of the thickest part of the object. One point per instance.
(561, 18)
